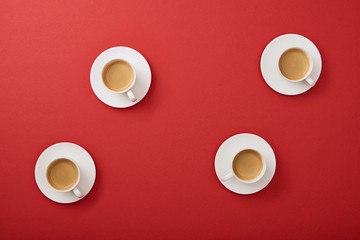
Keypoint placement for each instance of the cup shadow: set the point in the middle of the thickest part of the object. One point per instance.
(95, 193)
(276, 186)
(148, 102)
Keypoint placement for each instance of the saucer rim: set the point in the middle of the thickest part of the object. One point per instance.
(96, 64)
(296, 84)
(37, 166)
(269, 161)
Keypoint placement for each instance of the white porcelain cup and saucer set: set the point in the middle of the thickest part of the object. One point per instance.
(291, 64)
(65, 172)
(245, 163)
(120, 77)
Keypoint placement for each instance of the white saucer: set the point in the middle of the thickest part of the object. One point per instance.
(229, 148)
(75, 153)
(143, 77)
(269, 62)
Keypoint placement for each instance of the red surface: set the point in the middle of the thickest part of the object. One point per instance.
(155, 161)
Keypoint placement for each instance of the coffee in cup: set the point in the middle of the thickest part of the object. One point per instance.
(296, 65)
(63, 175)
(247, 166)
(119, 76)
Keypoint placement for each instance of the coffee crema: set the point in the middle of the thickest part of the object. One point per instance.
(247, 165)
(294, 64)
(62, 174)
(118, 75)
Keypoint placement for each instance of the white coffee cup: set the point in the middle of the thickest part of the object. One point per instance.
(74, 188)
(229, 174)
(127, 91)
(307, 77)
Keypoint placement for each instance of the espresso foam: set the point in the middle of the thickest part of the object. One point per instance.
(247, 165)
(118, 75)
(62, 174)
(294, 64)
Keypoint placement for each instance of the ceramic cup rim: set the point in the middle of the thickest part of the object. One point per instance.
(112, 60)
(77, 182)
(308, 72)
(262, 171)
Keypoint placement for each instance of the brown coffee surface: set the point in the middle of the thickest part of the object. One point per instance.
(62, 174)
(247, 165)
(294, 64)
(118, 75)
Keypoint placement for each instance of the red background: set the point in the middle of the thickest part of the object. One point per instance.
(155, 161)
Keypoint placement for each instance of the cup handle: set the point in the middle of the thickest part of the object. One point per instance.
(131, 95)
(77, 193)
(310, 81)
(229, 174)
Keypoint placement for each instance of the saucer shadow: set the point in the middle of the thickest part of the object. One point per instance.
(277, 185)
(96, 191)
(149, 100)
(322, 84)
